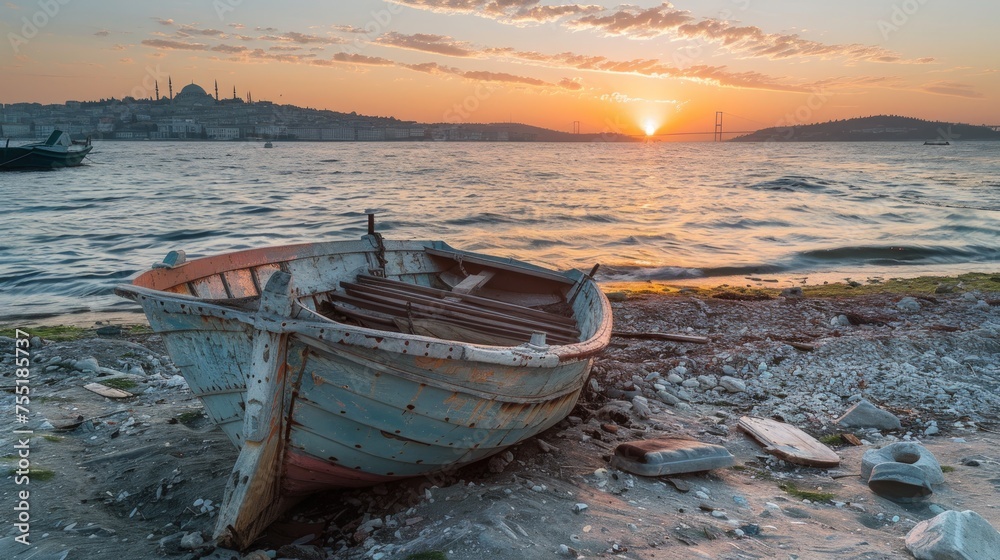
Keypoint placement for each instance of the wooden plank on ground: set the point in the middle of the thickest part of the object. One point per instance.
(788, 442)
(109, 392)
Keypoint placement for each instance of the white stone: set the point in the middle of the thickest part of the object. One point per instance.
(88, 365)
(732, 384)
(908, 305)
(954, 535)
(192, 541)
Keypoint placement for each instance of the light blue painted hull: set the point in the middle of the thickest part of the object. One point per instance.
(356, 405)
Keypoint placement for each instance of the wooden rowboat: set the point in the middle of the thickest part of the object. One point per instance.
(347, 364)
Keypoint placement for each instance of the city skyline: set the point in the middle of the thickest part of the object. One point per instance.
(654, 67)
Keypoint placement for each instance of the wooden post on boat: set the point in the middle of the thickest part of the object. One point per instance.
(252, 498)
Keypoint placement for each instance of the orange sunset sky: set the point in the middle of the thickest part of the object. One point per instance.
(665, 67)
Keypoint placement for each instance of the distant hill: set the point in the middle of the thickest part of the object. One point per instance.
(878, 128)
(519, 132)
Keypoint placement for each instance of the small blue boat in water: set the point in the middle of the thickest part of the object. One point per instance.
(56, 152)
(346, 364)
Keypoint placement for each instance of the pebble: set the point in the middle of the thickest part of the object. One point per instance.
(641, 407)
(667, 398)
(580, 508)
(192, 541)
(87, 365)
(733, 385)
(908, 305)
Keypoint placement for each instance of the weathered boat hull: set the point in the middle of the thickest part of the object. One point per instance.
(316, 404)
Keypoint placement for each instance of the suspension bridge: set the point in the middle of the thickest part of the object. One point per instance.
(718, 135)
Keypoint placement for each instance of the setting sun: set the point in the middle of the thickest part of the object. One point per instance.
(649, 128)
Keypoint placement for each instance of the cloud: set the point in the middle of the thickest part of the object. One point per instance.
(618, 97)
(510, 11)
(301, 38)
(438, 44)
(126, 60)
(545, 14)
(345, 58)
(192, 30)
(162, 21)
(648, 67)
(231, 49)
(103, 33)
(237, 26)
(348, 29)
(487, 76)
(174, 45)
(285, 48)
(955, 89)
(572, 85)
(261, 54)
(119, 47)
(634, 22)
(639, 23)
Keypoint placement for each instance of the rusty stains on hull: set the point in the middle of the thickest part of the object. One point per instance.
(342, 404)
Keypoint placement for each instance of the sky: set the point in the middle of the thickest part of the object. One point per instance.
(658, 67)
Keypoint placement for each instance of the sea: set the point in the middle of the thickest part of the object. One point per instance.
(670, 212)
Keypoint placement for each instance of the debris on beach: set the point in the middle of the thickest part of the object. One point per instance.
(670, 456)
(789, 443)
(904, 471)
(139, 487)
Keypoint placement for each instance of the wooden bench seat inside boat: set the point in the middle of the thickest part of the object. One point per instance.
(388, 304)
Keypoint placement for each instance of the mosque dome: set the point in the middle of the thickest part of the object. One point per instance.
(193, 94)
(193, 89)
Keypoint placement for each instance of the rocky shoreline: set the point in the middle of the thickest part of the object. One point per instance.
(139, 476)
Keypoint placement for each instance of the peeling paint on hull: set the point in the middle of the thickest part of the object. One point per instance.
(354, 406)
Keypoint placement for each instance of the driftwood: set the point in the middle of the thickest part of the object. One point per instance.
(109, 392)
(804, 346)
(662, 336)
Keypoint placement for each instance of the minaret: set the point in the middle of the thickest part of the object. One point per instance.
(216, 91)
(234, 94)
(250, 97)
(170, 84)
(157, 90)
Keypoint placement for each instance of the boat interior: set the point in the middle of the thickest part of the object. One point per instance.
(444, 294)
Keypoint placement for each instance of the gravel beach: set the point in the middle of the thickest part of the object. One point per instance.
(139, 474)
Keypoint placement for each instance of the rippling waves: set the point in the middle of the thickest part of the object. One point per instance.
(656, 212)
